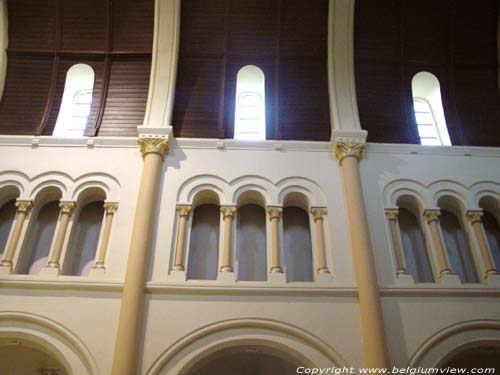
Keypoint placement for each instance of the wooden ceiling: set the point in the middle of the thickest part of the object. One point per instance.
(453, 39)
(287, 39)
(47, 37)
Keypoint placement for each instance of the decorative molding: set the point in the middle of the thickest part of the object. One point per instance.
(184, 210)
(392, 213)
(67, 207)
(274, 212)
(24, 206)
(474, 216)
(345, 149)
(432, 215)
(318, 212)
(152, 144)
(110, 208)
(228, 211)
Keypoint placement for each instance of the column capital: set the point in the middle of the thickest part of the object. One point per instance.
(318, 212)
(184, 209)
(154, 144)
(67, 207)
(274, 212)
(391, 213)
(432, 215)
(110, 207)
(349, 143)
(24, 206)
(228, 211)
(474, 216)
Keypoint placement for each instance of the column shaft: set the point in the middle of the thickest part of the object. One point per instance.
(129, 331)
(431, 217)
(475, 220)
(23, 208)
(274, 216)
(227, 215)
(318, 213)
(66, 211)
(392, 215)
(184, 212)
(372, 323)
(110, 209)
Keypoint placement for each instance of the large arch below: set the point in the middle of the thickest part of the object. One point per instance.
(292, 345)
(437, 350)
(42, 334)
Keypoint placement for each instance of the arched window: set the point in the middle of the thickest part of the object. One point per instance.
(251, 243)
(204, 244)
(457, 247)
(85, 239)
(492, 230)
(297, 244)
(76, 102)
(40, 239)
(7, 215)
(250, 111)
(414, 247)
(429, 113)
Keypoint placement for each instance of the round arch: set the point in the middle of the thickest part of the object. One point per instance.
(45, 333)
(290, 342)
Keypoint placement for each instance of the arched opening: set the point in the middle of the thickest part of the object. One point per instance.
(479, 356)
(247, 360)
(251, 243)
(457, 247)
(204, 243)
(76, 101)
(429, 113)
(7, 216)
(18, 357)
(85, 239)
(297, 245)
(40, 237)
(414, 247)
(250, 111)
(492, 230)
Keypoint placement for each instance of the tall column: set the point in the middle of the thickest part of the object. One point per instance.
(392, 216)
(110, 209)
(475, 220)
(274, 214)
(23, 208)
(67, 209)
(184, 212)
(432, 219)
(227, 213)
(128, 336)
(349, 153)
(318, 213)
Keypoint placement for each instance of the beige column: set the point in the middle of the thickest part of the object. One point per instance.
(431, 217)
(274, 214)
(184, 212)
(128, 336)
(372, 323)
(110, 209)
(227, 213)
(475, 220)
(318, 213)
(23, 208)
(392, 216)
(67, 209)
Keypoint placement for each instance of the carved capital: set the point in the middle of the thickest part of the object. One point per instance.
(67, 207)
(432, 215)
(274, 212)
(110, 208)
(154, 145)
(184, 210)
(474, 216)
(228, 211)
(345, 149)
(24, 206)
(392, 213)
(318, 212)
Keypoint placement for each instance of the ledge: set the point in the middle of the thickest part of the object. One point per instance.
(67, 283)
(475, 291)
(82, 142)
(412, 149)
